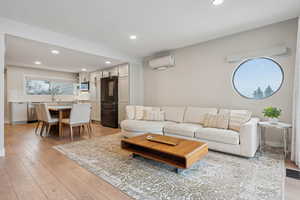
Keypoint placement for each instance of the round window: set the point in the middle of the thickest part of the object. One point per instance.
(258, 78)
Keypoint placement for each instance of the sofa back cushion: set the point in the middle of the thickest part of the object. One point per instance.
(210, 120)
(139, 111)
(223, 119)
(174, 114)
(238, 118)
(130, 112)
(197, 114)
(220, 121)
(154, 115)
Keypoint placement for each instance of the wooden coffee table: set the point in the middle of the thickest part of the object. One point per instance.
(180, 153)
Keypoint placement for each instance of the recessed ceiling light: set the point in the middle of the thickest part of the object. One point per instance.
(217, 2)
(107, 62)
(133, 37)
(55, 51)
(83, 69)
(37, 62)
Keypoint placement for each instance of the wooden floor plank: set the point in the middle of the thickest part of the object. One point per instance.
(60, 169)
(39, 153)
(49, 184)
(6, 189)
(22, 182)
(99, 184)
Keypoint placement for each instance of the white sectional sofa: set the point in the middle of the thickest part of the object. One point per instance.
(184, 122)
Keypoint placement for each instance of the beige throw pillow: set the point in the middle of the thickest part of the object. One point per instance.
(216, 121)
(139, 112)
(130, 112)
(223, 119)
(238, 118)
(154, 115)
(210, 121)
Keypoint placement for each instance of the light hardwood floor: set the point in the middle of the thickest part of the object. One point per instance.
(33, 170)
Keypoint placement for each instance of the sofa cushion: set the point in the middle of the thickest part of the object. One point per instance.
(218, 135)
(196, 114)
(223, 119)
(174, 114)
(143, 126)
(130, 112)
(140, 111)
(210, 121)
(183, 129)
(237, 118)
(154, 115)
(216, 121)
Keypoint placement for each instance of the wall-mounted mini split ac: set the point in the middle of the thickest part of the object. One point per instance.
(162, 63)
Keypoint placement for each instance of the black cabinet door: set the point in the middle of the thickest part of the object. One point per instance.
(109, 102)
(109, 117)
(109, 89)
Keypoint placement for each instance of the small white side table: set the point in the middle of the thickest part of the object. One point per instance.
(279, 125)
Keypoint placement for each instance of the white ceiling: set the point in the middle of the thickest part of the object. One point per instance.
(159, 24)
(22, 52)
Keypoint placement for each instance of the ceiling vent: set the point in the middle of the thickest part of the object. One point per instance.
(162, 63)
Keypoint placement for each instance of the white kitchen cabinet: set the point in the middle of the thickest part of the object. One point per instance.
(123, 91)
(96, 109)
(96, 102)
(18, 112)
(94, 77)
(105, 74)
(123, 70)
(84, 77)
(122, 111)
(114, 71)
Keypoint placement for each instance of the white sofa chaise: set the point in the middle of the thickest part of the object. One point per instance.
(184, 122)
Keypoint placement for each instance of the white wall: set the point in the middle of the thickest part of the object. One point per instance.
(2, 54)
(6, 108)
(136, 84)
(16, 83)
(202, 77)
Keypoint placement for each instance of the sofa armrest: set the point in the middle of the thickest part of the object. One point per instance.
(249, 138)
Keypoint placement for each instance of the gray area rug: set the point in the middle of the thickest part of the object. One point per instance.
(217, 176)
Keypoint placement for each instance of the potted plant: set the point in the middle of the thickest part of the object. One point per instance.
(272, 113)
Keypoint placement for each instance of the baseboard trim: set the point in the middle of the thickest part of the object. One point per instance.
(2, 152)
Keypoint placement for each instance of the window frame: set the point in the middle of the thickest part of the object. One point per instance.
(254, 58)
(25, 87)
(50, 79)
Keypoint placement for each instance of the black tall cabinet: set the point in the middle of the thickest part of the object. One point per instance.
(109, 102)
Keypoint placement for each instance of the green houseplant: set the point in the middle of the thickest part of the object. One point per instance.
(272, 113)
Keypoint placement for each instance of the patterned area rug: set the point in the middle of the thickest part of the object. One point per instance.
(217, 176)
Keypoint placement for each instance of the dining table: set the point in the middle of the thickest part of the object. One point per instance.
(62, 111)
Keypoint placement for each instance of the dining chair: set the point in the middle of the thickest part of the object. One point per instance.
(39, 117)
(80, 116)
(47, 119)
